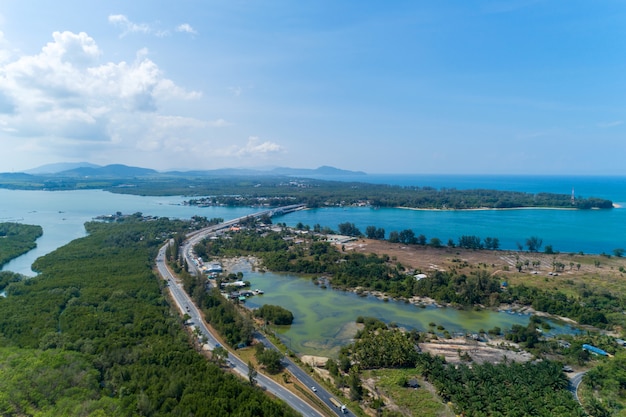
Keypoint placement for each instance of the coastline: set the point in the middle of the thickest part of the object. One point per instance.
(494, 209)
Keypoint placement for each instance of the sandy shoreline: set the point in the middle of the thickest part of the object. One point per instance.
(493, 208)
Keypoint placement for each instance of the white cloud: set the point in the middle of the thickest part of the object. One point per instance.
(127, 26)
(235, 90)
(219, 123)
(605, 125)
(64, 99)
(4, 48)
(186, 27)
(254, 147)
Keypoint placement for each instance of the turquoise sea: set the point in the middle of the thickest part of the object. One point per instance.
(587, 231)
(63, 213)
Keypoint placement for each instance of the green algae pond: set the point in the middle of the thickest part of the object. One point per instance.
(325, 319)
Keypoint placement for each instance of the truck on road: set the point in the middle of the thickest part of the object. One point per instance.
(338, 405)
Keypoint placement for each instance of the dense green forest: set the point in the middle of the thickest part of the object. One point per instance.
(17, 239)
(93, 335)
(608, 380)
(282, 190)
(507, 389)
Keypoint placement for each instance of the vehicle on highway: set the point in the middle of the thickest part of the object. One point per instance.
(313, 389)
(338, 405)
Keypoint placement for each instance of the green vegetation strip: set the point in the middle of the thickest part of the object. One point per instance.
(92, 335)
(17, 239)
(283, 190)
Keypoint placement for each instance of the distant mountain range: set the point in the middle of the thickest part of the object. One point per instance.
(59, 167)
(85, 169)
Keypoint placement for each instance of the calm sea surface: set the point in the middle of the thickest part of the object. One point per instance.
(63, 213)
(589, 231)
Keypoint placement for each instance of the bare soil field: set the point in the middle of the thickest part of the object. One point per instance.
(538, 269)
(479, 352)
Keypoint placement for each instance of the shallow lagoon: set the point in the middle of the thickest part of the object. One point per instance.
(324, 319)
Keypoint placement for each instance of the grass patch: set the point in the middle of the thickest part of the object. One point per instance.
(408, 401)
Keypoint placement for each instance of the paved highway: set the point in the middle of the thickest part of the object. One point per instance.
(574, 382)
(186, 305)
(303, 377)
(293, 368)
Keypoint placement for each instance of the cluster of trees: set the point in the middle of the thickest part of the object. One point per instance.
(235, 328)
(538, 388)
(241, 243)
(349, 229)
(269, 358)
(476, 288)
(589, 308)
(407, 236)
(475, 242)
(608, 384)
(378, 273)
(7, 277)
(318, 193)
(383, 348)
(274, 314)
(17, 239)
(94, 335)
(507, 389)
(373, 232)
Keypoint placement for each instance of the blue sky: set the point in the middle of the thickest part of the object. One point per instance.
(481, 87)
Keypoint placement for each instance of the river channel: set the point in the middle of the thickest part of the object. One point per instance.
(324, 319)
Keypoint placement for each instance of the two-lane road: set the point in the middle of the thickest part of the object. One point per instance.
(574, 382)
(185, 305)
(303, 377)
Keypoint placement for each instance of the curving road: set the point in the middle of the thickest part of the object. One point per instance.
(574, 382)
(292, 367)
(185, 305)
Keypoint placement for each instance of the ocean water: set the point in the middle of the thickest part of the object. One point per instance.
(62, 214)
(587, 231)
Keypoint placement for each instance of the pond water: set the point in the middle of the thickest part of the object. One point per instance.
(324, 319)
